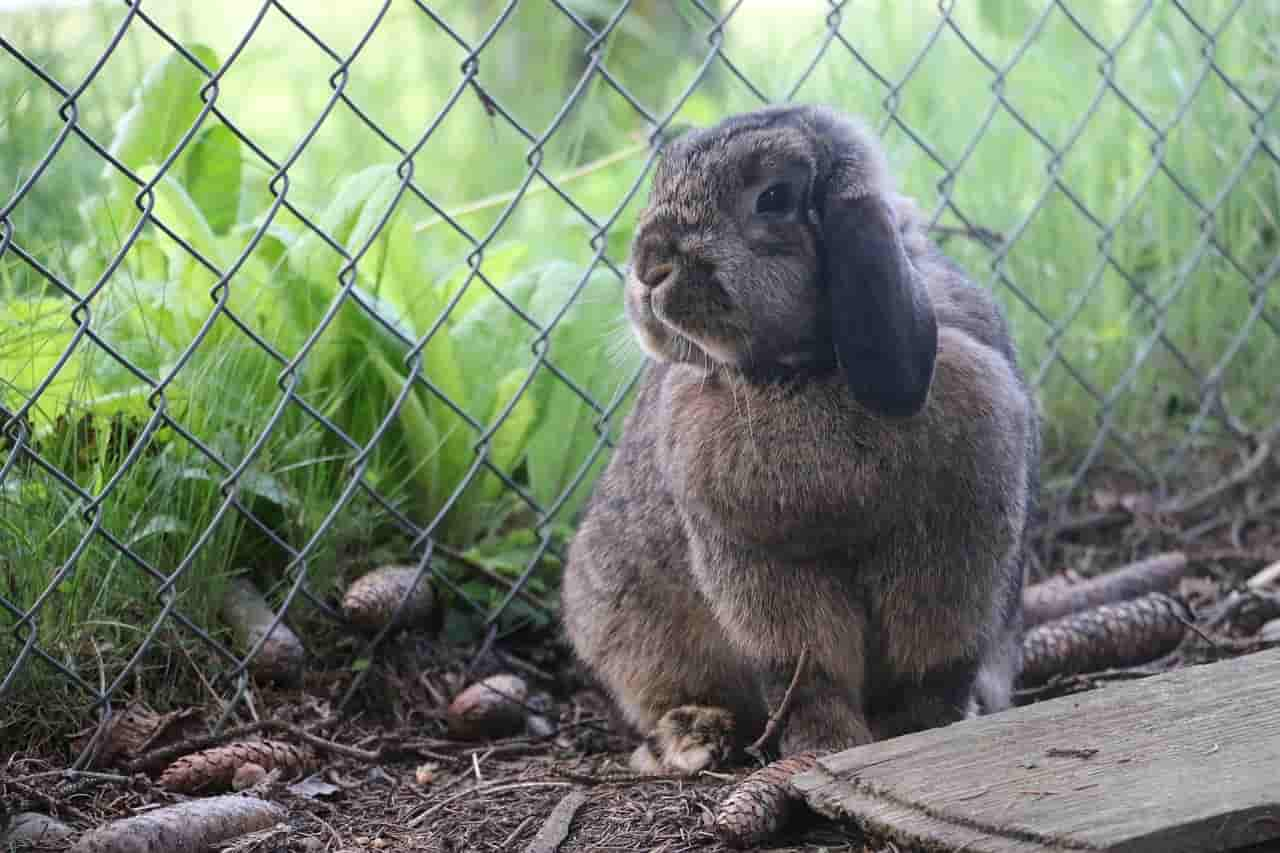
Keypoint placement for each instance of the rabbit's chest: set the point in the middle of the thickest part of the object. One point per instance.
(768, 601)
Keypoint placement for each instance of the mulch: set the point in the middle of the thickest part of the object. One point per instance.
(394, 780)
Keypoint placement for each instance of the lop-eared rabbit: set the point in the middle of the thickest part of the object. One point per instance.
(832, 447)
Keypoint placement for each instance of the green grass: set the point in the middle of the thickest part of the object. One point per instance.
(154, 309)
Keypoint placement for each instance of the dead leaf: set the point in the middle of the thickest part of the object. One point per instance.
(314, 787)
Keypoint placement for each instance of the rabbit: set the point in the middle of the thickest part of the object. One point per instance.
(832, 447)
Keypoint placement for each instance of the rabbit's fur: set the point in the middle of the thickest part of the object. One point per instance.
(832, 447)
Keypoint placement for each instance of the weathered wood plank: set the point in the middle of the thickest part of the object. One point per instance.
(1183, 762)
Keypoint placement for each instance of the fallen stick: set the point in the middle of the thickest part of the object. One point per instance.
(1046, 601)
(1110, 636)
(773, 727)
(760, 805)
(193, 825)
(555, 830)
(157, 757)
(1265, 578)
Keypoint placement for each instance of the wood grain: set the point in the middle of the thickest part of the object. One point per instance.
(1187, 761)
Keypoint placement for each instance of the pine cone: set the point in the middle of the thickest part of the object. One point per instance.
(1113, 635)
(372, 599)
(760, 804)
(216, 767)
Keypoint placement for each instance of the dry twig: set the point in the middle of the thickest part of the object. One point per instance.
(159, 757)
(773, 727)
(1265, 578)
(51, 804)
(491, 788)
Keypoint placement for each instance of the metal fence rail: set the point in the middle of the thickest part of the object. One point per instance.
(838, 48)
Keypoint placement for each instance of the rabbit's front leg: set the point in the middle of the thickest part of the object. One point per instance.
(824, 716)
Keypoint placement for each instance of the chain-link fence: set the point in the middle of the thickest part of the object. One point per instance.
(260, 342)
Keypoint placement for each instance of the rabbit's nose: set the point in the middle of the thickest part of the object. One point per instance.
(653, 276)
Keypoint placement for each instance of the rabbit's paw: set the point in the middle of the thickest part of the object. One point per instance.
(686, 740)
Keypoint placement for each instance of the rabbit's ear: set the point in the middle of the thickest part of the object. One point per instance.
(882, 320)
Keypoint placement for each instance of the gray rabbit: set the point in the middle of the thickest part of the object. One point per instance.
(832, 447)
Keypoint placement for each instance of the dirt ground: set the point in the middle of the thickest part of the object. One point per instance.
(388, 777)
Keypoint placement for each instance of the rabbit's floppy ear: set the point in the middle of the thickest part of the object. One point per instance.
(882, 320)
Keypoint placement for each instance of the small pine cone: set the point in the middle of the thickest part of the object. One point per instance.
(137, 728)
(216, 767)
(1113, 635)
(372, 599)
(760, 804)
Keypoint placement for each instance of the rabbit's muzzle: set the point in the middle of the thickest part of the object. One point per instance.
(681, 313)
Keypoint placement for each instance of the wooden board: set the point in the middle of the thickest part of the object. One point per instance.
(1187, 761)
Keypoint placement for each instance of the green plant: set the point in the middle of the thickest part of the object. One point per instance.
(1078, 292)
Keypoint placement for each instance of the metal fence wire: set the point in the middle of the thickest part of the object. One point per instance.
(91, 547)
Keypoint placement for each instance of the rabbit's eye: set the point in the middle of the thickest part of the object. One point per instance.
(776, 199)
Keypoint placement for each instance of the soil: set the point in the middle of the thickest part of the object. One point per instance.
(392, 779)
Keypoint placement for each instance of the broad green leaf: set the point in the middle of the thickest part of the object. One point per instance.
(501, 263)
(261, 484)
(421, 436)
(147, 260)
(213, 174)
(581, 345)
(127, 402)
(34, 334)
(111, 215)
(393, 253)
(311, 256)
(179, 212)
(159, 525)
(510, 439)
(491, 339)
(274, 243)
(1006, 18)
(165, 105)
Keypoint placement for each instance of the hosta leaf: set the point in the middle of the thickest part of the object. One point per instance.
(164, 107)
(213, 174)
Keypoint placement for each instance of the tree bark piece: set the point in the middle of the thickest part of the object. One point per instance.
(555, 830)
(216, 767)
(247, 612)
(1181, 762)
(1046, 601)
(1113, 635)
(192, 826)
(760, 805)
